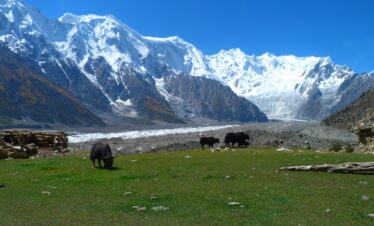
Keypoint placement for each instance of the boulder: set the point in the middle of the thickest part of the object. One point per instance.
(31, 149)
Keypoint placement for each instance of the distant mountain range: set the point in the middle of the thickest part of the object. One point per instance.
(112, 69)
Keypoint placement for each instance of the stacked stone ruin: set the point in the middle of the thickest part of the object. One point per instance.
(26, 143)
(366, 138)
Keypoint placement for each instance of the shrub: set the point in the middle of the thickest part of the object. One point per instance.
(3, 154)
(335, 147)
(19, 155)
(349, 148)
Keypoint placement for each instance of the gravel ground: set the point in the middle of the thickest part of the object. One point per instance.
(298, 135)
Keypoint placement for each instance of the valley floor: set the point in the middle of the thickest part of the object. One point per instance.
(292, 135)
(195, 187)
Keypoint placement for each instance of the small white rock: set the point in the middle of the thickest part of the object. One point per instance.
(227, 177)
(140, 208)
(127, 193)
(233, 203)
(364, 198)
(283, 149)
(160, 208)
(363, 182)
(328, 210)
(371, 215)
(46, 192)
(153, 197)
(187, 157)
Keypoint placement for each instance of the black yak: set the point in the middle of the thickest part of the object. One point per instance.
(236, 138)
(101, 152)
(210, 141)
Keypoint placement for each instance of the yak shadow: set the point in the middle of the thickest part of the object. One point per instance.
(102, 168)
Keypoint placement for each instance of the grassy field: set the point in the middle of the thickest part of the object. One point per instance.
(195, 189)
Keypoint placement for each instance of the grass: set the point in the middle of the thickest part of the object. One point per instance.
(195, 189)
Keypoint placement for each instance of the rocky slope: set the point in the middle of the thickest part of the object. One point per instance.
(25, 95)
(197, 96)
(360, 112)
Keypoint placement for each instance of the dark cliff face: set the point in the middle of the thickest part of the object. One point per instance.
(25, 94)
(360, 111)
(197, 96)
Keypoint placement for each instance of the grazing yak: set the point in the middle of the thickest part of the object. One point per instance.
(101, 152)
(236, 138)
(210, 141)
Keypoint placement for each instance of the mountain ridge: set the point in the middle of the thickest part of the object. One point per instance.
(358, 113)
(100, 50)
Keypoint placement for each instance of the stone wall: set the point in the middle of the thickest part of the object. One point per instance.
(25, 143)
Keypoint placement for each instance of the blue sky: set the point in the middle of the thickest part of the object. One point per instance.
(343, 30)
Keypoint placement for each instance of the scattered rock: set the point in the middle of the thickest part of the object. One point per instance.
(153, 197)
(283, 149)
(187, 157)
(364, 198)
(127, 193)
(227, 177)
(234, 203)
(140, 208)
(371, 215)
(328, 210)
(363, 182)
(160, 208)
(134, 160)
(46, 192)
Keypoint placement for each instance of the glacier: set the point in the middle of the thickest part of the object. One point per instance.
(85, 137)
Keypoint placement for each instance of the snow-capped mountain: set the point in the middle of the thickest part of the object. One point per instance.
(111, 67)
(284, 86)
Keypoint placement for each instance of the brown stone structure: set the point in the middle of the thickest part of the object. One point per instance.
(25, 143)
(365, 134)
(40, 139)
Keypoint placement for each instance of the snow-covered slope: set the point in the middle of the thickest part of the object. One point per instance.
(282, 85)
(103, 51)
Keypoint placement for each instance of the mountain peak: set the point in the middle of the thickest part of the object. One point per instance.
(71, 18)
(10, 2)
(232, 52)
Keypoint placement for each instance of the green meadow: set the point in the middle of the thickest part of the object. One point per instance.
(187, 188)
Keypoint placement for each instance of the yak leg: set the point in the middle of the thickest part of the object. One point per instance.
(202, 146)
(99, 161)
(93, 163)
